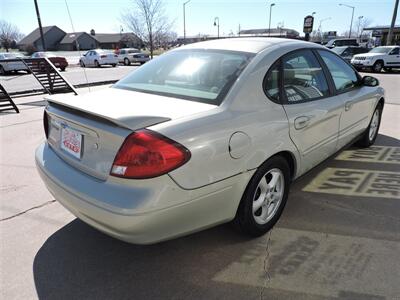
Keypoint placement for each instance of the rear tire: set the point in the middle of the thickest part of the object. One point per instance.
(2, 71)
(62, 69)
(96, 64)
(369, 136)
(388, 69)
(114, 65)
(264, 198)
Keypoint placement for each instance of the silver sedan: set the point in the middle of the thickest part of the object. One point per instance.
(205, 134)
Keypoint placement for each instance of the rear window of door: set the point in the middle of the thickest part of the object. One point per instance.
(303, 77)
(344, 77)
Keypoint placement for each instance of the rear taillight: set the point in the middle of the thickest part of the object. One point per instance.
(46, 124)
(147, 154)
(103, 56)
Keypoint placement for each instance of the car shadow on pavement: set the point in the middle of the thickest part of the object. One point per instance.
(78, 262)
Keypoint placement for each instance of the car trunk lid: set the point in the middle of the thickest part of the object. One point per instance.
(96, 124)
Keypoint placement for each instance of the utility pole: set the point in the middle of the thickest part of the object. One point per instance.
(40, 25)
(390, 34)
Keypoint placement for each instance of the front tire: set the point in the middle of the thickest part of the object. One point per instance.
(378, 66)
(127, 62)
(264, 198)
(82, 63)
(369, 136)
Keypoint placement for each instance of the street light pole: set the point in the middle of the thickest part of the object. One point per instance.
(352, 15)
(216, 23)
(320, 27)
(269, 25)
(40, 25)
(358, 28)
(184, 21)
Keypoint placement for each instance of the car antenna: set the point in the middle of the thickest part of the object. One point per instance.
(77, 44)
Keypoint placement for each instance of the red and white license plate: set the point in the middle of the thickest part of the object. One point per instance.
(71, 141)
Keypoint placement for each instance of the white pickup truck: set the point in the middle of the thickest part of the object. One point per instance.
(385, 57)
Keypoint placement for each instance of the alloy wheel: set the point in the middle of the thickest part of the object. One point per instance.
(373, 127)
(268, 196)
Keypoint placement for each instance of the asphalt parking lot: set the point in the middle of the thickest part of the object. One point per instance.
(338, 238)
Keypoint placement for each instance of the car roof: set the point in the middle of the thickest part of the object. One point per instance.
(252, 45)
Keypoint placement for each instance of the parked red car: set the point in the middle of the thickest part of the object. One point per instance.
(58, 61)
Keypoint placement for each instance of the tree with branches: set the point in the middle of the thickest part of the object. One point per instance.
(148, 21)
(9, 34)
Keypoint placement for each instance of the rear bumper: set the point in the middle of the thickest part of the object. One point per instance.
(139, 59)
(139, 211)
(107, 61)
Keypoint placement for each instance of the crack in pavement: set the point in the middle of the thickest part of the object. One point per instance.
(25, 211)
(265, 265)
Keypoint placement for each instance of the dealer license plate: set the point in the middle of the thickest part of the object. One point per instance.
(71, 141)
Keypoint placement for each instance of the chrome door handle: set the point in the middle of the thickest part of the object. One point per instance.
(301, 122)
(348, 105)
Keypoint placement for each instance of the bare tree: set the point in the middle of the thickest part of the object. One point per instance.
(148, 21)
(9, 34)
(358, 27)
(361, 24)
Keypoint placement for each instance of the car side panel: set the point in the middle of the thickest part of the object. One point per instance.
(317, 139)
(208, 135)
(357, 112)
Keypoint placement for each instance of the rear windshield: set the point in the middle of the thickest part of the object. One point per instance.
(198, 75)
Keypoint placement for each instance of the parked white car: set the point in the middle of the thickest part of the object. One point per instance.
(98, 58)
(204, 134)
(11, 66)
(384, 57)
(128, 56)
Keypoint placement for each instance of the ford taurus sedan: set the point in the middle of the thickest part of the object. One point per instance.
(98, 58)
(205, 134)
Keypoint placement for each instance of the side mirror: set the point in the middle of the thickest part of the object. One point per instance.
(369, 81)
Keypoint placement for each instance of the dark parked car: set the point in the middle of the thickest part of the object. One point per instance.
(58, 61)
(347, 52)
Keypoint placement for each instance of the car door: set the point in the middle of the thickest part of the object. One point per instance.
(357, 100)
(312, 111)
(393, 58)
